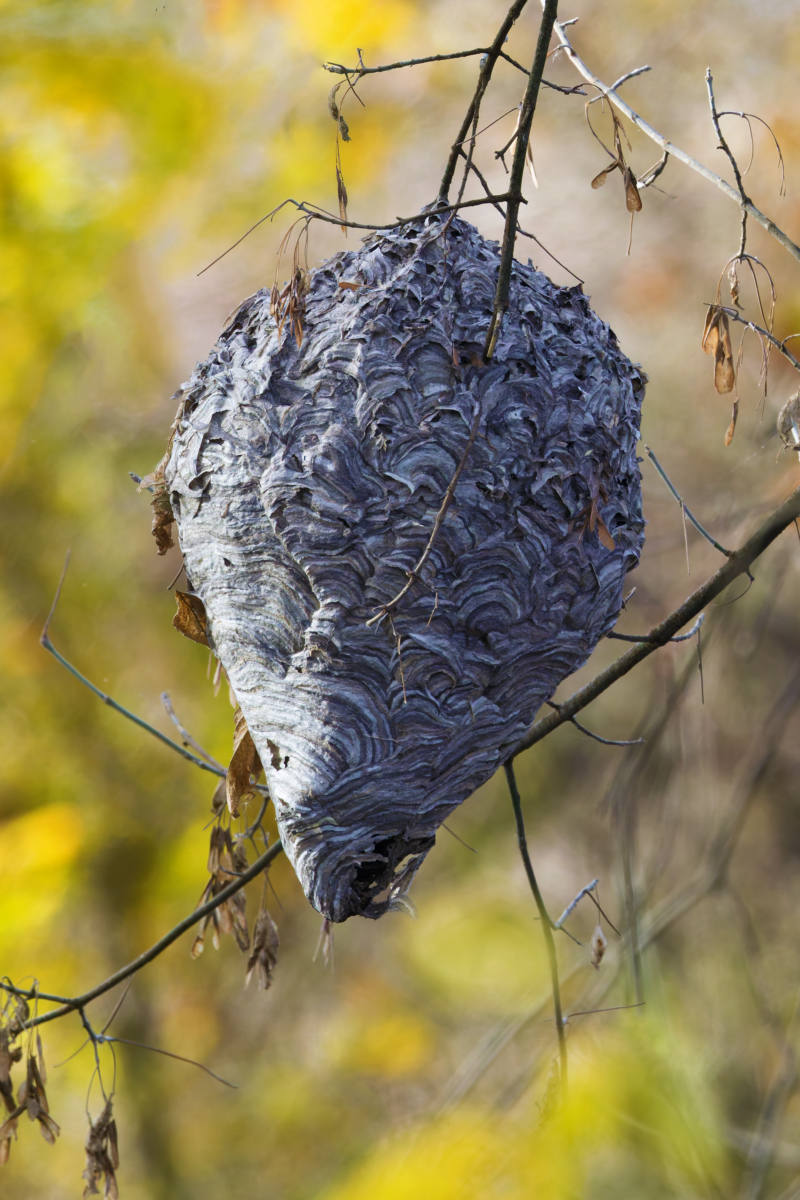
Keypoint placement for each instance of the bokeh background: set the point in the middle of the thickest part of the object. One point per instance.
(138, 139)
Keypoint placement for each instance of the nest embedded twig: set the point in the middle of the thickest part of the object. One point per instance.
(306, 481)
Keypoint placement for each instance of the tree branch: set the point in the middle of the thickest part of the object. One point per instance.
(739, 564)
(666, 145)
(517, 169)
(79, 1002)
(492, 54)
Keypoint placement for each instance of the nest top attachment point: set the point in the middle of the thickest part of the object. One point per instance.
(402, 550)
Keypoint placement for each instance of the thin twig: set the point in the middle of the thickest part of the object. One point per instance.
(502, 294)
(187, 737)
(44, 640)
(645, 637)
(320, 214)
(338, 69)
(735, 315)
(723, 145)
(604, 741)
(487, 67)
(168, 1054)
(79, 1002)
(671, 149)
(684, 509)
(546, 927)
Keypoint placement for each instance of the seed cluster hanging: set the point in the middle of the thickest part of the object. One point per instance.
(401, 551)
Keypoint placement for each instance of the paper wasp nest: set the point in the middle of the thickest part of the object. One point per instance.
(305, 482)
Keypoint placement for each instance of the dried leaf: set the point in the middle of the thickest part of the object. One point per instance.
(244, 763)
(218, 799)
(347, 283)
(163, 516)
(264, 955)
(531, 167)
(50, 1130)
(344, 132)
(603, 175)
(597, 948)
(40, 1056)
(733, 281)
(102, 1158)
(341, 191)
(717, 341)
(732, 427)
(633, 201)
(333, 107)
(603, 534)
(190, 619)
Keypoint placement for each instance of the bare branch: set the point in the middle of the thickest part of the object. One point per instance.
(671, 149)
(723, 145)
(80, 1002)
(738, 564)
(527, 111)
(487, 67)
(547, 926)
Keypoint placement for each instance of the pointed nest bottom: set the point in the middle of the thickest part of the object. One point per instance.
(305, 472)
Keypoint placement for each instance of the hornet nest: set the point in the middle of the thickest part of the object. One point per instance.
(381, 685)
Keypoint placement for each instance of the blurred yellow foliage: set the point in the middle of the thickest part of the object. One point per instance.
(36, 852)
(137, 141)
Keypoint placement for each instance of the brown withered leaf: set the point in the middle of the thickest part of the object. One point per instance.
(244, 763)
(190, 619)
(102, 1155)
(341, 192)
(729, 432)
(333, 107)
(528, 151)
(349, 284)
(733, 281)
(603, 175)
(598, 948)
(50, 1131)
(603, 534)
(8, 1130)
(163, 516)
(633, 201)
(717, 341)
(264, 955)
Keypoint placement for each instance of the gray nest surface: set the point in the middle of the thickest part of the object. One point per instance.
(305, 482)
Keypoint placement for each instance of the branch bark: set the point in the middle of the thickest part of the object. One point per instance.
(515, 198)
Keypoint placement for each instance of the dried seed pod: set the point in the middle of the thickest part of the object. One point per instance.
(597, 949)
(306, 480)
